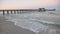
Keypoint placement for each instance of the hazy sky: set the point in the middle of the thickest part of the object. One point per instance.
(16, 4)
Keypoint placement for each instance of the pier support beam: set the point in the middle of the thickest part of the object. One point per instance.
(14, 12)
(17, 11)
(20, 11)
(11, 11)
(3, 12)
(7, 12)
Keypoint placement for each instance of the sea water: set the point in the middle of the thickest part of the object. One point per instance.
(28, 22)
(31, 21)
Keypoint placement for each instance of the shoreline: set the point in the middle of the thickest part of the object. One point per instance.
(8, 27)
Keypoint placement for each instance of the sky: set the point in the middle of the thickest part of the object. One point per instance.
(24, 4)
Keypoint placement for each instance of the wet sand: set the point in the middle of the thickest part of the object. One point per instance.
(8, 27)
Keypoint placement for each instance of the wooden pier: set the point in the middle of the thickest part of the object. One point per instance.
(18, 11)
(11, 11)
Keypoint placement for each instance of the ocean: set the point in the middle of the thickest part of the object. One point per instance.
(36, 21)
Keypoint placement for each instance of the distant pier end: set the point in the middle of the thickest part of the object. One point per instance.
(42, 9)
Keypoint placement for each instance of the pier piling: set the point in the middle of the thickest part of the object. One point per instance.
(17, 11)
(3, 12)
(14, 12)
(11, 11)
(7, 12)
(20, 11)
